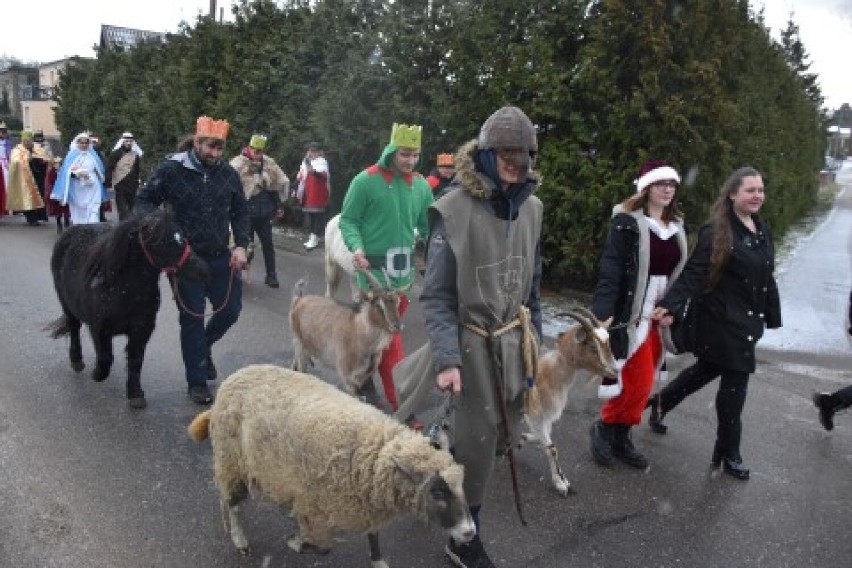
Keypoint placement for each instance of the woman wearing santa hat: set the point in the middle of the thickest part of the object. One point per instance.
(643, 254)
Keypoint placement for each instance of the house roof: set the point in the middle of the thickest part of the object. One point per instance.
(116, 36)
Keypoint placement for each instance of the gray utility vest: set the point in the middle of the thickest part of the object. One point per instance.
(494, 278)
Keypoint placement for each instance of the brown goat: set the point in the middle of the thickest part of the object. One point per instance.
(349, 338)
(582, 347)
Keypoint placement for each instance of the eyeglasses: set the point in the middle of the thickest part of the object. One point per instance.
(508, 154)
(666, 183)
(82, 141)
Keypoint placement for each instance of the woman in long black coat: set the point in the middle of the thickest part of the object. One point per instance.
(729, 278)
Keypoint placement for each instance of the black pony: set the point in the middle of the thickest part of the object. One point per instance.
(108, 278)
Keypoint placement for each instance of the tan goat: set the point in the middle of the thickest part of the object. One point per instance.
(349, 338)
(582, 347)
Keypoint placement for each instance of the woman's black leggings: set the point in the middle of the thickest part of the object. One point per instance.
(730, 400)
(316, 223)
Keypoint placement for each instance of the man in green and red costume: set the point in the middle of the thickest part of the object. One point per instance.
(383, 207)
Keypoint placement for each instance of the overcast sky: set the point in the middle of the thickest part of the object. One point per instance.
(47, 30)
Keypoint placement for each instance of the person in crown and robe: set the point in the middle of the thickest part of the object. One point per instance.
(80, 182)
(122, 173)
(27, 168)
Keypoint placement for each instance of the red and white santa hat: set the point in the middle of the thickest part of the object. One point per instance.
(653, 171)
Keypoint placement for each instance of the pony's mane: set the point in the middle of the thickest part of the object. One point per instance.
(112, 250)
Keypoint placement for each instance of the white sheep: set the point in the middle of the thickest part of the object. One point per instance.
(583, 347)
(338, 464)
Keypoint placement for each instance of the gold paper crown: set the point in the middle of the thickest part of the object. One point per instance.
(206, 127)
(258, 142)
(445, 160)
(405, 136)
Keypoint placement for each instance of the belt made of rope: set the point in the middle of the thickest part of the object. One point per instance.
(529, 342)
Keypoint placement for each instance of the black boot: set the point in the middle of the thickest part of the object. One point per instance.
(733, 466)
(601, 443)
(623, 448)
(272, 280)
(468, 555)
(655, 420)
(827, 408)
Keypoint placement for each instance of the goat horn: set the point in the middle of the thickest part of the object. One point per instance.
(588, 313)
(583, 316)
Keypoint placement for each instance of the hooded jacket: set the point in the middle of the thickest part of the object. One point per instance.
(380, 214)
(440, 299)
(205, 200)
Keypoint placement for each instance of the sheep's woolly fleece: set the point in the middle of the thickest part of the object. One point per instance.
(334, 460)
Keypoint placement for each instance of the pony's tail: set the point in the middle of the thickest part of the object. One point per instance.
(199, 429)
(58, 327)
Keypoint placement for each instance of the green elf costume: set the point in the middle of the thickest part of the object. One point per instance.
(381, 212)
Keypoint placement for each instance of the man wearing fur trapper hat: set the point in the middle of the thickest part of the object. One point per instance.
(207, 198)
(481, 304)
(383, 207)
(122, 173)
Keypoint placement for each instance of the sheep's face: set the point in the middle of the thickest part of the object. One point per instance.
(444, 503)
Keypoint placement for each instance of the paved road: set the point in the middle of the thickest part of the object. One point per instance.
(87, 482)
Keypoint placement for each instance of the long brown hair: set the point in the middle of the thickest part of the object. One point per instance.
(638, 201)
(721, 218)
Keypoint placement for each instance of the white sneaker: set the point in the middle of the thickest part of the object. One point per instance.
(606, 392)
(312, 242)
